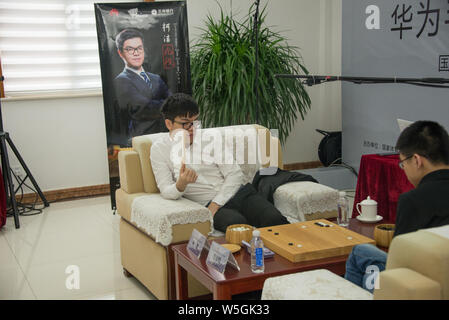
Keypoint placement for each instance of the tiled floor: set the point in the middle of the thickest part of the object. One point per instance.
(41, 259)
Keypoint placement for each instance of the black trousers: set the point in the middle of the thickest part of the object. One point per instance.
(247, 206)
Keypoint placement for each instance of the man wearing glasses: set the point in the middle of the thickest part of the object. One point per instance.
(211, 183)
(140, 93)
(424, 156)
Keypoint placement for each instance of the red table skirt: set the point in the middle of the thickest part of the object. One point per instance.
(381, 178)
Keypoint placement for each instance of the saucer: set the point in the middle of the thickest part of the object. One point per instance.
(378, 218)
(232, 247)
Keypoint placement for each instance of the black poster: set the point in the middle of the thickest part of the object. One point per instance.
(144, 57)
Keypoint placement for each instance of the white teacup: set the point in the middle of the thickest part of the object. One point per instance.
(369, 209)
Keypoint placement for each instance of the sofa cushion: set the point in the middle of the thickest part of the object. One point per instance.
(312, 285)
(297, 200)
(142, 145)
(430, 254)
(249, 158)
(442, 231)
(157, 216)
(406, 284)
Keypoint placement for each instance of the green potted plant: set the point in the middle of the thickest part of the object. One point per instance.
(223, 75)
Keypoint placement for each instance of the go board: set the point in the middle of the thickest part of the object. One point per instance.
(304, 241)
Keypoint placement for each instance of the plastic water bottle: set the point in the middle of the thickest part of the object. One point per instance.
(257, 263)
(343, 210)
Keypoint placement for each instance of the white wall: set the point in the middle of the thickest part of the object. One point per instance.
(314, 26)
(63, 141)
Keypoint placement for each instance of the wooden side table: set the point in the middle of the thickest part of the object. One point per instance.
(232, 282)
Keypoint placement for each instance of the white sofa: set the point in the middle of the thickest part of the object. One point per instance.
(150, 224)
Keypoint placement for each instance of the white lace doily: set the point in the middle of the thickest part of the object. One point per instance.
(157, 215)
(312, 285)
(297, 199)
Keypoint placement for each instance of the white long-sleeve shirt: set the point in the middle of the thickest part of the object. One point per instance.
(216, 182)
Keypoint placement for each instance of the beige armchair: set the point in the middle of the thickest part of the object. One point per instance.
(417, 268)
(149, 224)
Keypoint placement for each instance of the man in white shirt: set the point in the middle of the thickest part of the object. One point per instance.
(211, 183)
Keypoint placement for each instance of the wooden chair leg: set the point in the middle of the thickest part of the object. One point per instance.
(127, 273)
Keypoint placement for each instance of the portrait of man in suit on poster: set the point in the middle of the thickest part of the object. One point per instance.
(139, 93)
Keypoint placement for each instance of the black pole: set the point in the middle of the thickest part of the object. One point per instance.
(27, 171)
(256, 36)
(7, 179)
(311, 80)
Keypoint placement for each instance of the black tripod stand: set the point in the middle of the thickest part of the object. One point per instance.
(7, 178)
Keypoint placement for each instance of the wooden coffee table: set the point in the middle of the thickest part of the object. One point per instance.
(232, 282)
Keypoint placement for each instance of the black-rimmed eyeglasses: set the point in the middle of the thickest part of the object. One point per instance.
(401, 163)
(131, 50)
(187, 125)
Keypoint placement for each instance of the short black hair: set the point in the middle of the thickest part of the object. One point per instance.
(126, 35)
(426, 138)
(179, 104)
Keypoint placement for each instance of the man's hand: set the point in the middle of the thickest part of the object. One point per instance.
(213, 207)
(186, 176)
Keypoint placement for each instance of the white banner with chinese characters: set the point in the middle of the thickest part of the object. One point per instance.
(391, 38)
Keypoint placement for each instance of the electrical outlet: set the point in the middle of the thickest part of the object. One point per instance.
(18, 171)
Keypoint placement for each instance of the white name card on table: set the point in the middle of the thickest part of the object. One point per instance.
(196, 243)
(219, 257)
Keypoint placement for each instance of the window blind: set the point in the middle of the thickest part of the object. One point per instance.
(49, 45)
